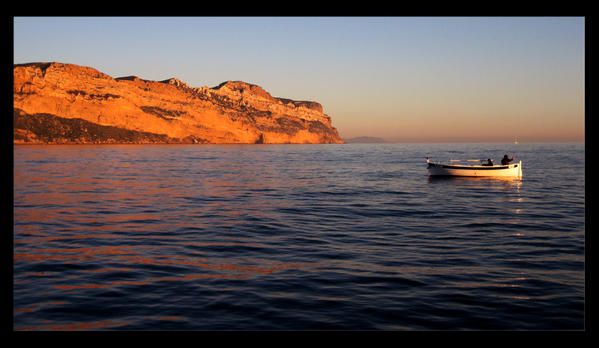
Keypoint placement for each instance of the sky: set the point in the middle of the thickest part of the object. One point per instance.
(404, 79)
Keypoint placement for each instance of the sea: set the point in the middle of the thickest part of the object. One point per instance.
(296, 237)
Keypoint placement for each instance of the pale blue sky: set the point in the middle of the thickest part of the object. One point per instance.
(401, 78)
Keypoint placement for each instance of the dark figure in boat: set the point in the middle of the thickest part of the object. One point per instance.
(489, 163)
(505, 160)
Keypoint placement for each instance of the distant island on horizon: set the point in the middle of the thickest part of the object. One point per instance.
(365, 140)
(57, 103)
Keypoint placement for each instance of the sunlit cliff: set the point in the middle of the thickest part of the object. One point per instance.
(66, 103)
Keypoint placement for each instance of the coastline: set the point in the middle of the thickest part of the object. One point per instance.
(198, 144)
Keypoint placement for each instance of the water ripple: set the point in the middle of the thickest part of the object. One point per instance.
(295, 237)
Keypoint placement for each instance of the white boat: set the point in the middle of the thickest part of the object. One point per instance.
(442, 169)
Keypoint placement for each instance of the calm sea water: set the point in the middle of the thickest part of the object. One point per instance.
(296, 237)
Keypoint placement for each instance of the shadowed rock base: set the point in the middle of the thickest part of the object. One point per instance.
(51, 129)
(67, 103)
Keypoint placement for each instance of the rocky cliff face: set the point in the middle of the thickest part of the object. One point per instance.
(66, 103)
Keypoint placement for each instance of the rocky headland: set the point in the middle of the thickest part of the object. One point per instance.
(58, 103)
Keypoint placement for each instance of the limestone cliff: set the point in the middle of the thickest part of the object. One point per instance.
(66, 103)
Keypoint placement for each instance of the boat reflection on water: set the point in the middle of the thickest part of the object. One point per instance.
(488, 184)
(517, 181)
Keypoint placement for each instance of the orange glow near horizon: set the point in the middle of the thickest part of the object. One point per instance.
(498, 122)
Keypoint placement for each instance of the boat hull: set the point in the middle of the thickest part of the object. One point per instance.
(510, 170)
